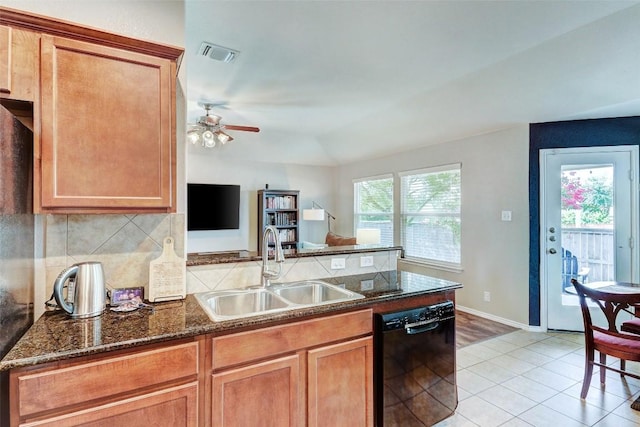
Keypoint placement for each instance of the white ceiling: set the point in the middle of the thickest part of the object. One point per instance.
(333, 82)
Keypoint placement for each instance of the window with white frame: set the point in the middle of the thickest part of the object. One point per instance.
(373, 206)
(430, 201)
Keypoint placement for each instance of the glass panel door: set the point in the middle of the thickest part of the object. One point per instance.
(587, 231)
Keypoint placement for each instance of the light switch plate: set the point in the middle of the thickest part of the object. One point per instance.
(506, 215)
(366, 261)
(337, 263)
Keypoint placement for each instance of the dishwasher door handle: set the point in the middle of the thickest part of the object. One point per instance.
(421, 327)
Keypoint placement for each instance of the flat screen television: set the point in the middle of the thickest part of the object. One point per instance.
(213, 207)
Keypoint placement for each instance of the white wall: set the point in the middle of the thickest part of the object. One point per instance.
(495, 177)
(205, 166)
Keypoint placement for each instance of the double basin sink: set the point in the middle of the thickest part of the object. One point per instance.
(239, 303)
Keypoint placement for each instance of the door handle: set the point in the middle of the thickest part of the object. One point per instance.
(552, 251)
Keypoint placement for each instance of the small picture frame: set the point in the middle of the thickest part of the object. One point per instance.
(127, 295)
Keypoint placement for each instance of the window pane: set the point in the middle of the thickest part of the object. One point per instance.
(430, 216)
(374, 207)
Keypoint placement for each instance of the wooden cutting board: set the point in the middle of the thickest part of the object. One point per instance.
(167, 275)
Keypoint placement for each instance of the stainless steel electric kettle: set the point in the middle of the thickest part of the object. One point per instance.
(85, 292)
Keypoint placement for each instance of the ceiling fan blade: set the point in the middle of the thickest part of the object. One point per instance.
(244, 128)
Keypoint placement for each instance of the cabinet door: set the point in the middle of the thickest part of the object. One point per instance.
(19, 60)
(108, 129)
(5, 59)
(175, 406)
(340, 389)
(264, 394)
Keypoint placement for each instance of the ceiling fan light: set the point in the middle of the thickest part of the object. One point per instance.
(208, 139)
(193, 136)
(223, 137)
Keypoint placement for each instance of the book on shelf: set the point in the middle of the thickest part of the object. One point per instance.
(280, 202)
(282, 218)
(286, 236)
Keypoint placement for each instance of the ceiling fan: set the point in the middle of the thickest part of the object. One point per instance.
(209, 131)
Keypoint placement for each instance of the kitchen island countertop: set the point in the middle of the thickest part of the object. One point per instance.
(54, 336)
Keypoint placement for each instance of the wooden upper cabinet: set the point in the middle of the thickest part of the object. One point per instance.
(107, 129)
(5, 59)
(19, 60)
(103, 116)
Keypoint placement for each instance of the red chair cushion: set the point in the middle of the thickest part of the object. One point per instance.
(632, 326)
(615, 344)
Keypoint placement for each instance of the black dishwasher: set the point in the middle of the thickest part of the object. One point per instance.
(415, 366)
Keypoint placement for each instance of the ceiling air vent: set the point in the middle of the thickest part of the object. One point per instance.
(218, 53)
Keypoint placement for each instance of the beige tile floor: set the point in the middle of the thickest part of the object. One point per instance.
(534, 379)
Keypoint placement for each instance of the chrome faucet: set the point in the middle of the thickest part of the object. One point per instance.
(268, 274)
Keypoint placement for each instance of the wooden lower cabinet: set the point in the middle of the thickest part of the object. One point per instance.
(154, 385)
(309, 373)
(173, 406)
(340, 384)
(264, 394)
(315, 372)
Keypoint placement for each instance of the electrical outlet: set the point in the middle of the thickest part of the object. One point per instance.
(366, 285)
(337, 263)
(487, 296)
(366, 261)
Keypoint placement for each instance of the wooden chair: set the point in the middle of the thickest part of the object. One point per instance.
(607, 340)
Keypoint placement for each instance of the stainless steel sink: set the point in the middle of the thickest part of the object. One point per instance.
(224, 305)
(235, 304)
(313, 292)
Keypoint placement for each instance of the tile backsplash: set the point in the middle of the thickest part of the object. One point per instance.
(201, 278)
(124, 244)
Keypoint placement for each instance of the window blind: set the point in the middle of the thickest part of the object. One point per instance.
(430, 201)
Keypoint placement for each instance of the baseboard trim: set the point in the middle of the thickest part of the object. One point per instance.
(499, 319)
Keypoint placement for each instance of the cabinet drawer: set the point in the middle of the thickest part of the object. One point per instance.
(173, 406)
(61, 387)
(267, 342)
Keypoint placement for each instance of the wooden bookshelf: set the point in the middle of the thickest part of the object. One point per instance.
(280, 208)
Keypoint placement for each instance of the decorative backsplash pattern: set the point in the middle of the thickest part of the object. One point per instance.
(124, 244)
(201, 278)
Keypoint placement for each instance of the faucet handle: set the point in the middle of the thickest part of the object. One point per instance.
(279, 256)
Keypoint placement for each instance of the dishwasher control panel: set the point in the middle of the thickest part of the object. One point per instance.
(416, 317)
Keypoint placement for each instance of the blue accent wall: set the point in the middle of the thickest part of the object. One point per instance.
(569, 134)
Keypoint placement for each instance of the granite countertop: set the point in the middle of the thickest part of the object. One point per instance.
(54, 336)
(205, 258)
